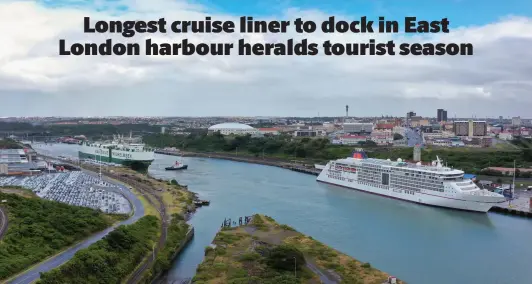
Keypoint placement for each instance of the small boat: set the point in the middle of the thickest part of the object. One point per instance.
(177, 166)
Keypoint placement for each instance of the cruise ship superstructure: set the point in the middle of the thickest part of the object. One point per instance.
(121, 151)
(433, 184)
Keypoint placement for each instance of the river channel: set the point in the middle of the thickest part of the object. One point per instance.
(419, 244)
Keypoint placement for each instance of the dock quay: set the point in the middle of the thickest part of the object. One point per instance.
(169, 153)
(520, 206)
(305, 170)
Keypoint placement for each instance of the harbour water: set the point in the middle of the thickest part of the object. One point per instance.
(418, 244)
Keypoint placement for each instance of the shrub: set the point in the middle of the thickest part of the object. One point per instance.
(282, 257)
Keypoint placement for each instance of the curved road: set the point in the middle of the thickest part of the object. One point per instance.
(34, 273)
(3, 223)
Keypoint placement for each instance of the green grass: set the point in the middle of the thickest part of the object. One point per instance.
(238, 258)
(40, 228)
(111, 259)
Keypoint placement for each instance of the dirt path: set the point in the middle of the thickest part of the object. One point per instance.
(325, 277)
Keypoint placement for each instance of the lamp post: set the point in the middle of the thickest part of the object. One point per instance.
(295, 267)
(153, 252)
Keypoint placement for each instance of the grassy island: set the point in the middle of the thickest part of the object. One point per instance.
(264, 251)
(39, 228)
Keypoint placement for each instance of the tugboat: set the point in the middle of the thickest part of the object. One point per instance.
(176, 167)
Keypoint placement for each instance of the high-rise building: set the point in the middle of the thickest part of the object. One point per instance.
(442, 115)
(470, 128)
(478, 128)
(516, 121)
(409, 115)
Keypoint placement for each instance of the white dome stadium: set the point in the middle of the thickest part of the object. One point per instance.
(233, 129)
(230, 125)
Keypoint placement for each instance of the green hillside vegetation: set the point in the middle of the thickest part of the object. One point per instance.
(7, 143)
(269, 253)
(471, 160)
(40, 228)
(89, 130)
(111, 259)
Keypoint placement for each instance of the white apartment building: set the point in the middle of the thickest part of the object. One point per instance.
(357, 127)
(352, 139)
(506, 136)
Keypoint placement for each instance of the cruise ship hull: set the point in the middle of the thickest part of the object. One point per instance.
(455, 202)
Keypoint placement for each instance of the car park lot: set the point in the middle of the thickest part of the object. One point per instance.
(74, 188)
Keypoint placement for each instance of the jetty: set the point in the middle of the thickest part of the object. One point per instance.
(520, 206)
(259, 247)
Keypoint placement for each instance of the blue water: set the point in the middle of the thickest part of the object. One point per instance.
(416, 243)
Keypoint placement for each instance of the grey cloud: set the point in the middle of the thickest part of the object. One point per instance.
(34, 80)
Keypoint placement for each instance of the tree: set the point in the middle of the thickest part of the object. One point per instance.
(285, 257)
(397, 136)
(526, 174)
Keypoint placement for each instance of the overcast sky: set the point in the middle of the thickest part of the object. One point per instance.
(36, 81)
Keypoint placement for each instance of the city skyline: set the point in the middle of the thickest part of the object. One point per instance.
(35, 81)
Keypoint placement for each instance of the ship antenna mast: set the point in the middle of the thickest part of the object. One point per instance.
(438, 165)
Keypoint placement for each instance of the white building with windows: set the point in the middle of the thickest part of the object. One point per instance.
(352, 139)
(16, 156)
(233, 129)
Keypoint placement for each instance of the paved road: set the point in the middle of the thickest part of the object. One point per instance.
(3, 223)
(413, 137)
(34, 273)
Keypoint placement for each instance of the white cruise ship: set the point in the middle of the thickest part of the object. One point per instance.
(121, 151)
(434, 185)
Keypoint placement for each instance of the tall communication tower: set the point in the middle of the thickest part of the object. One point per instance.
(346, 111)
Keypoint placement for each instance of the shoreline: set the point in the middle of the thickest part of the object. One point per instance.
(267, 161)
(307, 169)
